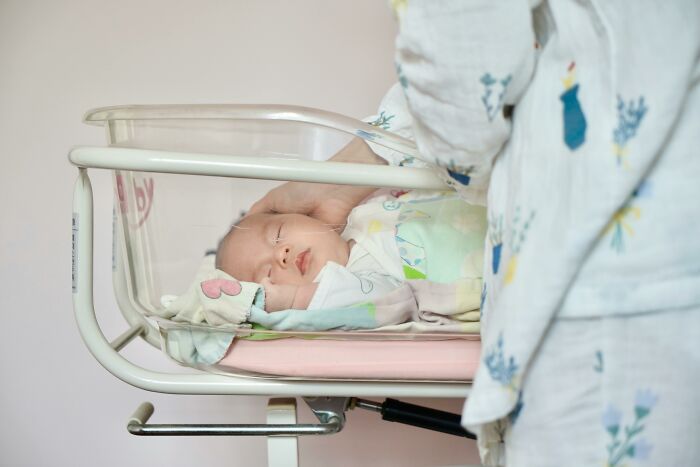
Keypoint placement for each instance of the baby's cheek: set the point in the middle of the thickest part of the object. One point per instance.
(288, 277)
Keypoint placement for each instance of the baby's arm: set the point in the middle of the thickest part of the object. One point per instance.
(280, 297)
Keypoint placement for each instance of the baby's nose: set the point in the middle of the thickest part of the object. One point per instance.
(282, 255)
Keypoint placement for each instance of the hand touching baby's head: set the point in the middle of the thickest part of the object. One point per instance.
(286, 248)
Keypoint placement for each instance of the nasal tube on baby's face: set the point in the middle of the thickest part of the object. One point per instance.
(305, 245)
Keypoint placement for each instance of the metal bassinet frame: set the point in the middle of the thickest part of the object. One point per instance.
(330, 398)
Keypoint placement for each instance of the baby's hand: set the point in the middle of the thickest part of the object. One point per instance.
(278, 297)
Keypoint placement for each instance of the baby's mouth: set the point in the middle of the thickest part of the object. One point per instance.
(302, 260)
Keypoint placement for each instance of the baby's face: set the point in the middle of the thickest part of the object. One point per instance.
(287, 248)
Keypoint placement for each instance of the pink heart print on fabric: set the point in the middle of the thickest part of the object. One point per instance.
(213, 288)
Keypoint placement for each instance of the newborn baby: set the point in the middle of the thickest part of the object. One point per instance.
(303, 263)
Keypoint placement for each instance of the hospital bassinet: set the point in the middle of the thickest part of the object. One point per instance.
(181, 175)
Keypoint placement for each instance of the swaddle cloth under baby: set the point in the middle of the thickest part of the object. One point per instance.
(438, 246)
(214, 297)
(416, 306)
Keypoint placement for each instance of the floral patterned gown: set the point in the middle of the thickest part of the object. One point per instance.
(576, 123)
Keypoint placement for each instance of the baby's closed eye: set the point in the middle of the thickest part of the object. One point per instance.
(278, 236)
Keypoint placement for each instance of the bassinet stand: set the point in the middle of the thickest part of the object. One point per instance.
(330, 398)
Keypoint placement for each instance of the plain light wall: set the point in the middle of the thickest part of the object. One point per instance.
(61, 58)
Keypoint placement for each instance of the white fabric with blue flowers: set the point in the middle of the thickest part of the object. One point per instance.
(591, 300)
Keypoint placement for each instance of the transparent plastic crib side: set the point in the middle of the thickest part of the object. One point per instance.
(166, 223)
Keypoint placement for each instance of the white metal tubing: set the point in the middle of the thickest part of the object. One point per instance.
(127, 336)
(202, 383)
(343, 173)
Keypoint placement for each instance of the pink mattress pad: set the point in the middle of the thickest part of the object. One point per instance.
(433, 360)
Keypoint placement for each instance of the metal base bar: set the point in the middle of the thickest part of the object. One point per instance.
(137, 426)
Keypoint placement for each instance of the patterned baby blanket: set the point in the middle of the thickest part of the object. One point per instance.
(415, 306)
(419, 306)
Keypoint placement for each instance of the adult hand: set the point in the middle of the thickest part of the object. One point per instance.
(330, 204)
(326, 202)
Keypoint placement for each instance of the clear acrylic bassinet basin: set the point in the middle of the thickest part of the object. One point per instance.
(165, 224)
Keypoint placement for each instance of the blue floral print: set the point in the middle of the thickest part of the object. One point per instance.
(483, 299)
(620, 224)
(518, 235)
(493, 102)
(408, 161)
(598, 367)
(629, 117)
(505, 372)
(402, 78)
(383, 120)
(626, 444)
(501, 370)
(644, 401)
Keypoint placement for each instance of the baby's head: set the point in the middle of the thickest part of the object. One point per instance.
(287, 248)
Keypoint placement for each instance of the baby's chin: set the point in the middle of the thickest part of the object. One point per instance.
(312, 274)
(342, 257)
